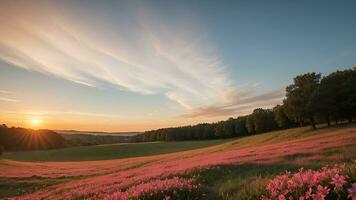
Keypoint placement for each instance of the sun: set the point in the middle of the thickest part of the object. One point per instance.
(36, 122)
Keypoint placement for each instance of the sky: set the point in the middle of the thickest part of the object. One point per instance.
(141, 65)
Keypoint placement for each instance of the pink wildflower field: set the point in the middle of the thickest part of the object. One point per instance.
(327, 183)
(158, 177)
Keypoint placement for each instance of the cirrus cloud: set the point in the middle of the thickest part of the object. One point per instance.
(138, 52)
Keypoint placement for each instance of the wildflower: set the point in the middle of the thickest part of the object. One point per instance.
(307, 185)
(352, 191)
(308, 194)
(281, 197)
(321, 192)
(338, 181)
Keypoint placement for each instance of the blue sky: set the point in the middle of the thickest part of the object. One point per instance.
(139, 65)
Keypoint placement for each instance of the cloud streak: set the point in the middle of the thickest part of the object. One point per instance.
(240, 106)
(138, 52)
(8, 99)
(56, 113)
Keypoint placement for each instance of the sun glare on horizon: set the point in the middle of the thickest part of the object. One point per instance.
(36, 122)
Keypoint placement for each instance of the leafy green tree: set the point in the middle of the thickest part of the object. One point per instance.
(250, 124)
(170, 135)
(219, 129)
(228, 128)
(338, 91)
(240, 126)
(328, 107)
(303, 97)
(281, 117)
(208, 132)
(263, 120)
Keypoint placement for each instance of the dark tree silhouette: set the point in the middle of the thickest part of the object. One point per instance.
(281, 117)
(17, 139)
(302, 98)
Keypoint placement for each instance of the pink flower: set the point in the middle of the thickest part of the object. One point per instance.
(352, 191)
(321, 192)
(307, 185)
(338, 181)
(308, 194)
(281, 197)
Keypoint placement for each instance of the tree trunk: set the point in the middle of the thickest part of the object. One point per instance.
(336, 122)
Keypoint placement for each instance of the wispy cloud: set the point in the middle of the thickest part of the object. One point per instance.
(143, 53)
(5, 92)
(8, 99)
(64, 113)
(4, 96)
(240, 106)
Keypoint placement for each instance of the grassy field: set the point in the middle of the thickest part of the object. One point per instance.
(247, 181)
(229, 169)
(112, 151)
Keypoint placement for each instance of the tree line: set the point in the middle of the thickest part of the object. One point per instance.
(309, 100)
(19, 139)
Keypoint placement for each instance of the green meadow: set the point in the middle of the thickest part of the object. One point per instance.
(110, 151)
(245, 181)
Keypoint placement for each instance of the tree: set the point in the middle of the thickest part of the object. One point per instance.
(208, 132)
(302, 98)
(329, 89)
(250, 124)
(338, 92)
(228, 128)
(240, 126)
(263, 120)
(219, 129)
(281, 117)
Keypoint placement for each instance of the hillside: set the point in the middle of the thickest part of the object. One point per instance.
(275, 151)
(22, 139)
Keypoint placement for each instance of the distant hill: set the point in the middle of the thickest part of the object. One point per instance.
(86, 138)
(97, 133)
(20, 139)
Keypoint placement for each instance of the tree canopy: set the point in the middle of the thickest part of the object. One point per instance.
(310, 99)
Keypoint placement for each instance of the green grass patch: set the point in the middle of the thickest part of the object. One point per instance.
(112, 151)
(246, 181)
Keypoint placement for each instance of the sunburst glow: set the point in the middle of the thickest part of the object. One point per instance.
(36, 122)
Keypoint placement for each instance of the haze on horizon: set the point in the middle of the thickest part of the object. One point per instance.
(140, 65)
